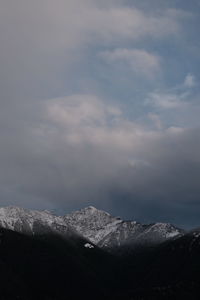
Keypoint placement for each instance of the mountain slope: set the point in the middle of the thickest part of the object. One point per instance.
(32, 221)
(108, 232)
(97, 226)
(49, 267)
(92, 223)
(170, 270)
(42, 257)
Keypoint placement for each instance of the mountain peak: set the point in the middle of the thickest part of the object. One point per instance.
(25, 220)
(90, 209)
(92, 223)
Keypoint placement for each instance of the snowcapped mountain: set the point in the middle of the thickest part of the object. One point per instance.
(49, 266)
(133, 233)
(96, 226)
(106, 231)
(92, 223)
(32, 221)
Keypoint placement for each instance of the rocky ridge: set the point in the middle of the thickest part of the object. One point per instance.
(96, 226)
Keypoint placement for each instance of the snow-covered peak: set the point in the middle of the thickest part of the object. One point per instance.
(90, 209)
(165, 230)
(105, 230)
(29, 221)
(97, 217)
(92, 223)
(12, 210)
(156, 233)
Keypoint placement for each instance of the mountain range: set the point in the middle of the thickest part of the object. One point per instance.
(97, 226)
(89, 254)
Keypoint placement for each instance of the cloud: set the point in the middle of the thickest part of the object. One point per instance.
(81, 110)
(88, 119)
(46, 40)
(167, 100)
(122, 157)
(50, 25)
(128, 22)
(80, 150)
(139, 60)
(190, 81)
(177, 97)
(155, 118)
(68, 151)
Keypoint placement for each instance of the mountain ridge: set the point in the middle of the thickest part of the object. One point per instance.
(96, 226)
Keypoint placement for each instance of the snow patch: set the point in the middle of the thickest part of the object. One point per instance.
(88, 245)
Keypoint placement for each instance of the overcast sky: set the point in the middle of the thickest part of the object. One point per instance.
(99, 105)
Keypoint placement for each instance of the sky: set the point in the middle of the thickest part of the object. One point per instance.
(100, 105)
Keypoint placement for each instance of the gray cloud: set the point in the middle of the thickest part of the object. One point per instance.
(138, 60)
(41, 39)
(68, 152)
(79, 150)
